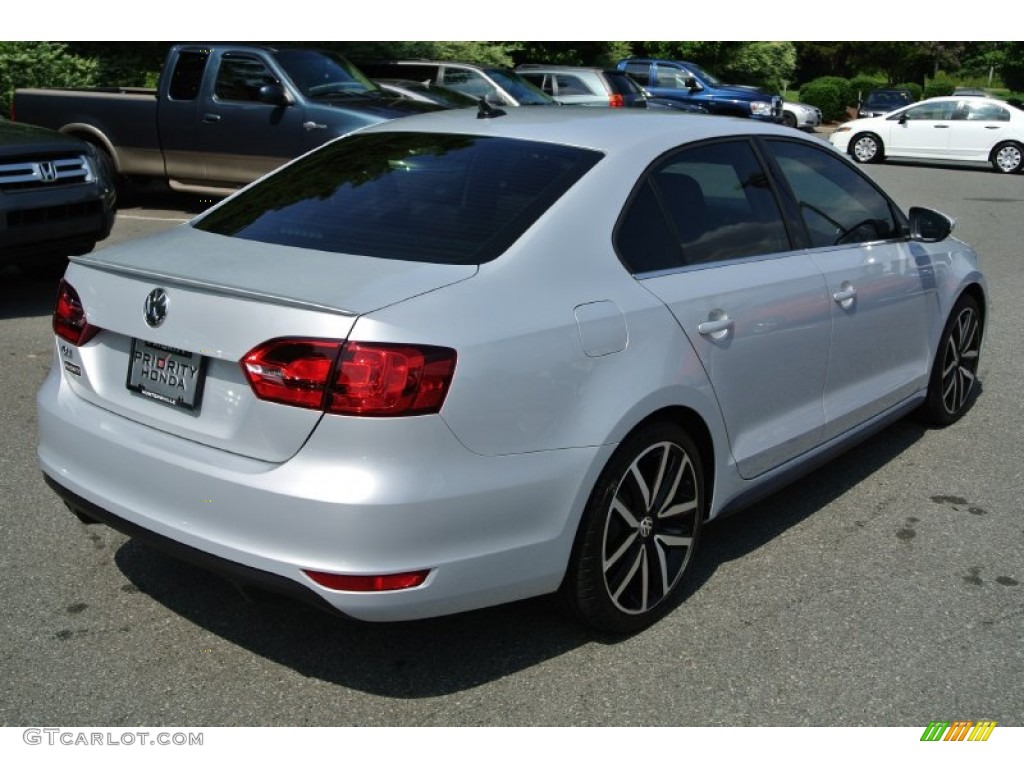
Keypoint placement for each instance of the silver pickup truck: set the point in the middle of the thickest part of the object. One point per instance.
(221, 116)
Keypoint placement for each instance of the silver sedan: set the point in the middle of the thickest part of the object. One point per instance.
(462, 359)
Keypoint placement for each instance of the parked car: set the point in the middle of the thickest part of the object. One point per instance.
(961, 91)
(882, 101)
(498, 85)
(802, 116)
(949, 128)
(431, 94)
(475, 359)
(585, 86)
(56, 197)
(222, 115)
(685, 82)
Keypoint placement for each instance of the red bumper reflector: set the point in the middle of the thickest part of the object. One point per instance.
(387, 583)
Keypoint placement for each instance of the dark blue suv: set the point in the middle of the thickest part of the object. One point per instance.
(687, 83)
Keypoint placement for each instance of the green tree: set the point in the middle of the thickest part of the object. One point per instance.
(1013, 67)
(42, 65)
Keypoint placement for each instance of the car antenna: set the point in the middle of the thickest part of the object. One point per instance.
(488, 110)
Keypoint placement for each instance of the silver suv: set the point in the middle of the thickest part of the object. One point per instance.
(586, 86)
(497, 84)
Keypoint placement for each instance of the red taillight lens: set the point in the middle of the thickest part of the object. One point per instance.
(391, 380)
(357, 379)
(386, 583)
(69, 317)
(291, 371)
(615, 100)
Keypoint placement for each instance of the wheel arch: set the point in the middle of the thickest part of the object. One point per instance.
(94, 136)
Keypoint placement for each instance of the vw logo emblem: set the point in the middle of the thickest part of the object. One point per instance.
(155, 309)
(646, 527)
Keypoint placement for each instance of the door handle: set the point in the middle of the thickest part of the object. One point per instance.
(845, 296)
(309, 125)
(211, 118)
(941, 126)
(717, 328)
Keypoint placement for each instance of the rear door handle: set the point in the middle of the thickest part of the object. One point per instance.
(845, 295)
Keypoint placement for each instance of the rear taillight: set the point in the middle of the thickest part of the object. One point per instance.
(615, 100)
(386, 583)
(69, 317)
(353, 378)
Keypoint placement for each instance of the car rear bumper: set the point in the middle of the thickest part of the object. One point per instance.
(488, 529)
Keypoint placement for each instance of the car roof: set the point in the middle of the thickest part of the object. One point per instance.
(608, 131)
(564, 68)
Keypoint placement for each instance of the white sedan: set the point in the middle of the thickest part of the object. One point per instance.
(949, 128)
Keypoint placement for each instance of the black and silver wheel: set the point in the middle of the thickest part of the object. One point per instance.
(866, 148)
(639, 532)
(789, 119)
(1008, 157)
(955, 371)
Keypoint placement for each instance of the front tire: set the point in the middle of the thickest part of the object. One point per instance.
(789, 119)
(639, 532)
(867, 148)
(955, 371)
(1008, 157)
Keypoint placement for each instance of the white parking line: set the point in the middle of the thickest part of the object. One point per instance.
(148, 218)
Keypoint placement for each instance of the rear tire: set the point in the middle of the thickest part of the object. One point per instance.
(1008, 157)
(639, 532)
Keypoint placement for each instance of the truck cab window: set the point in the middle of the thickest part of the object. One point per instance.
(187, 75)
(240, 78)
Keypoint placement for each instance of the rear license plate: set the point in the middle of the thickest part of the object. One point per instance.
(170, 376)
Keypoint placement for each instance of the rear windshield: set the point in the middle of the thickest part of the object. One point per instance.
(440, 198)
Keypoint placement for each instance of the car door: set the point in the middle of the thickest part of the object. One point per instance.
(921, 131)
(882, 294)
(704, 233)
(976, 128)
(243, 137)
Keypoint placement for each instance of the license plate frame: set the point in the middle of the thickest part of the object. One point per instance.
(170, 376)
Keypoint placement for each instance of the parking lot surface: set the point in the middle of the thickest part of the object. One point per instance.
(884, 589)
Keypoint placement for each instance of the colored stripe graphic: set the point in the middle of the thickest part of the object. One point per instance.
(934, 731)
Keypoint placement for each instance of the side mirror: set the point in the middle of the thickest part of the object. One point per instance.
(903, 119)
(928, 226)
(692, 84)
(274, 94)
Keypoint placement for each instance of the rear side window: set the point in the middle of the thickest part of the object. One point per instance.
(187, 75)
(704, 204)
(639, 71)
(446, 199)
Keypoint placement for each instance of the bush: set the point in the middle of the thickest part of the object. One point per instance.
(829, 94)
(940, 85)
(914, 89)
(42, 65)
(861, 84)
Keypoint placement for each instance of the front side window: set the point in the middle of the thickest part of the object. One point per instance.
(704, 204)
(439, 198)
(838, 205)
(240, 77)
(935, 110)
(670, 77)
